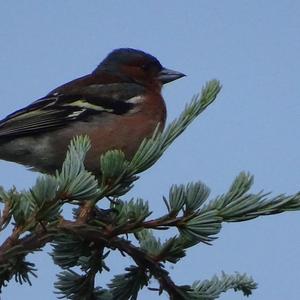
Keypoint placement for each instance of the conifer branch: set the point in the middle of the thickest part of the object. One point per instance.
(82, 242)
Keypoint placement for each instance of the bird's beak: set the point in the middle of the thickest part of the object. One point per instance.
(167, 75)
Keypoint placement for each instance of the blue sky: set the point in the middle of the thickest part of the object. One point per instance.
(252, 47)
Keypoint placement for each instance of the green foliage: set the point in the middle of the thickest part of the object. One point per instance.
(127, 286)
(78, 287)
(74, 181)
(64, 244)
(133, 211)
(115, 178)
(152, 149)
(211, 289)
(171, 250)
(18, 268)
(82, 244)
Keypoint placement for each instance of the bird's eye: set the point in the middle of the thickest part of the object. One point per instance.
(145, 67)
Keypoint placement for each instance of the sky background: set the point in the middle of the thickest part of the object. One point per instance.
(252, 47)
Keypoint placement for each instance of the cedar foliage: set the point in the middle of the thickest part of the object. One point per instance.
(80, 245)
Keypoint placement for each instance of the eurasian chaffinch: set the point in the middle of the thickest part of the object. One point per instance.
(117, 106)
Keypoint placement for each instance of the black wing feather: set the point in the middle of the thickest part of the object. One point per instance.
(57, 110)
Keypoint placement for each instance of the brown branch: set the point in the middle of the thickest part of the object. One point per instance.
(30, 242)
(159, 223)
(6, 214)
(142, 259)
(108, 237)
(39, 238)
(145, 261)
(41, 235)
(12, 239)
(85, 212)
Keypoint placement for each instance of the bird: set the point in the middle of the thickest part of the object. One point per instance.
(117, 106)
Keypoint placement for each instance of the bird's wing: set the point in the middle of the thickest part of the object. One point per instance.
(58, 109)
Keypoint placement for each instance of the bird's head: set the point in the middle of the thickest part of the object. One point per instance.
(137, 66)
